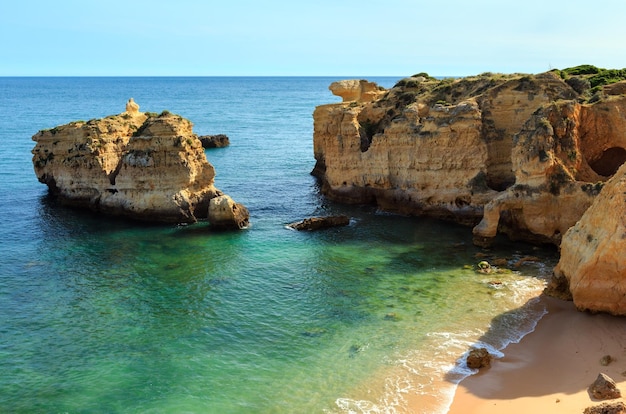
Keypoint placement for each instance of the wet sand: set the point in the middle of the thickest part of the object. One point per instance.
(550, 369)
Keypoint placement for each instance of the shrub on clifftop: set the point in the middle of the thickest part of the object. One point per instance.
(596, 77)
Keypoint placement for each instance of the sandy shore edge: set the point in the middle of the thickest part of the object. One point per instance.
(551, 368)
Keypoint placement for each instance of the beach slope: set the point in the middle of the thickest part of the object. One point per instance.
(550, 369)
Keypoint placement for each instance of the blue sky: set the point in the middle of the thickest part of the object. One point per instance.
(315, 37)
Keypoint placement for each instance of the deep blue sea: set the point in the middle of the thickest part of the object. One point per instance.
(102, 315)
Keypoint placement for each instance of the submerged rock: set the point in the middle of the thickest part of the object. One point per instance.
(606, 360)
(318, 223)
(140, 165)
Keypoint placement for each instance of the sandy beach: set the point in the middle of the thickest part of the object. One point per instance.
(550, 369)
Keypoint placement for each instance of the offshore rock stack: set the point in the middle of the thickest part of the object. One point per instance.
(144, 166)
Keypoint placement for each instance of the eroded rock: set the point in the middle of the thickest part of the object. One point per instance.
(318, 223)
(593, 259)
(225, 213)
(617, 407)
(132, 107)
(604, 388)
(356, 90)
(214, 141)
(478, 358)
(606, 360)
(518, 154)
(140, 165)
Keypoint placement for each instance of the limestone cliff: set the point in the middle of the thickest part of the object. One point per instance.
(520, 154)
(141, 165)
(593, 265)
(561, 157)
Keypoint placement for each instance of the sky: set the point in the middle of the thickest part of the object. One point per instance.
(307, 38)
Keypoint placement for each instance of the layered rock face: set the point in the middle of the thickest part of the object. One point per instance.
(144, 166)
(593, 261)
(519, 154)
(560, 157)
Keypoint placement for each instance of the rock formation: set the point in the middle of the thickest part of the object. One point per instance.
(224, 213)
(214, 141)
(356, 90)
(604, 388)
(132, 107)
(478, 358)
(592, 267)
(140, 165)
(519, 154)
(318, 223)
(617, 407)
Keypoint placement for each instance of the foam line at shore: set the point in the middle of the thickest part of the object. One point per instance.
(425, 381)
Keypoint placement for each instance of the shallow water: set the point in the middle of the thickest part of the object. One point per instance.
(107, 315)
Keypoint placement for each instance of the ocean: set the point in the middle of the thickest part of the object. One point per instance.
(104, 315)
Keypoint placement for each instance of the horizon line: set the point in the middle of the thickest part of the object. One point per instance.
(220, 76)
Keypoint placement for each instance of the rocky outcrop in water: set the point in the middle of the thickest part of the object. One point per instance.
(319, 223)
(214, 141)
(140, 165)
(226, 214)
(518, 154)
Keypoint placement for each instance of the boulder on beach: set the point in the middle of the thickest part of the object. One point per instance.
(617, 407)
(604, 388)
(478, 358)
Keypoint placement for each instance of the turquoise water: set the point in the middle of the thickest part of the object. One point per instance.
(106, 315)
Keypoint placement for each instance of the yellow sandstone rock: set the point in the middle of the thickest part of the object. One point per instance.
(356, 90)
(593, 252)
(132, 107)
(144, 166)
(517, 154)
(225, 213)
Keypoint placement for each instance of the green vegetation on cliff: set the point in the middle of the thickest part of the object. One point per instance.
(589, 78)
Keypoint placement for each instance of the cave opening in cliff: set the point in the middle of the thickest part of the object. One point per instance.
(500, 183)
(609, 162)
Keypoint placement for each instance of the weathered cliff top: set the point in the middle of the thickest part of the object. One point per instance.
(585, 84)
(589, 82)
